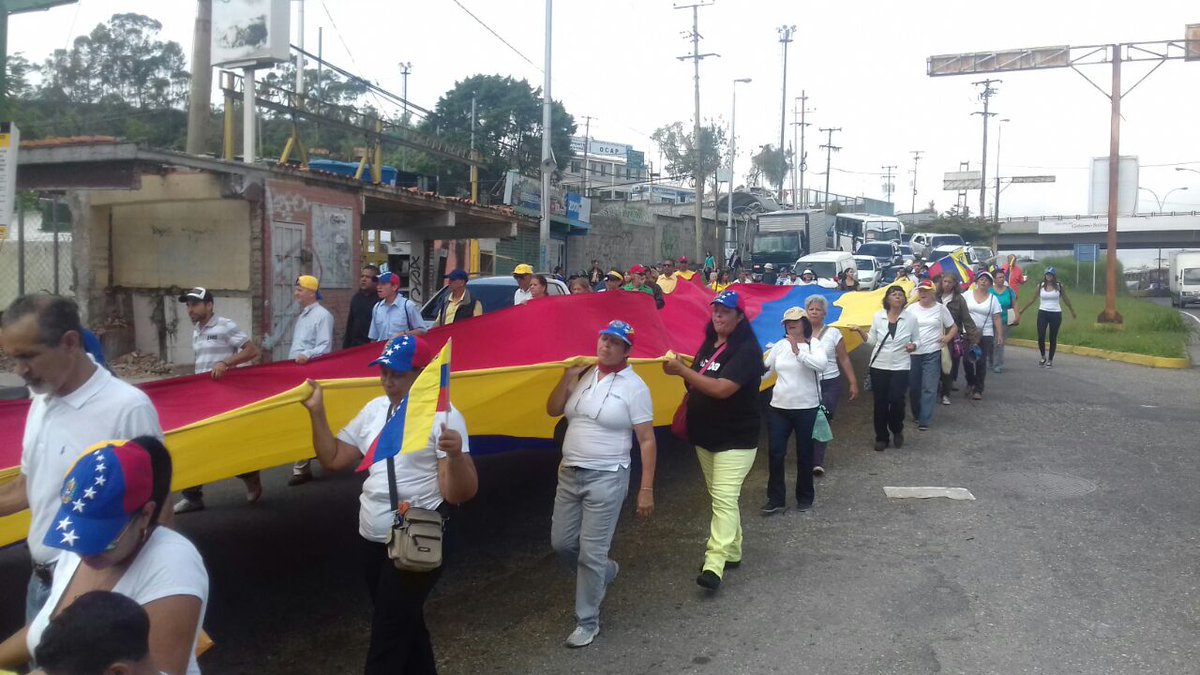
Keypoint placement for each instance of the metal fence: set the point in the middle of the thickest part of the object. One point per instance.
(35, 253)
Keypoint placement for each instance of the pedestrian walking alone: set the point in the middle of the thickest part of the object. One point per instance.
(1052, 296)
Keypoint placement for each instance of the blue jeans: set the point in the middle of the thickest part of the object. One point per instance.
(36, 595)
(923, 380)
(780, 425)
(586, 508)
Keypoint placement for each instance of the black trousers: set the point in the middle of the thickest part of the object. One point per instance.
(400, 642)
(781, 424)
(976, 371)
(1052, 321)
(888, 387)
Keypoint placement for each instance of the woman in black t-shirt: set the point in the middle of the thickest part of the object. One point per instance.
(723, 423)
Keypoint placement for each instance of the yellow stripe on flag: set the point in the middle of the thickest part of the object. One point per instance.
(421, 409)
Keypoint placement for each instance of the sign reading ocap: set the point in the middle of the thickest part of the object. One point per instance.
(250, 33)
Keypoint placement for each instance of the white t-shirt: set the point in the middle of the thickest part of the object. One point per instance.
(521, 297)
(981, 313)
(830, 337)
(601, 413)
(1049, 301)
(167, 565)
(796, 383)
(416, 473)
(932, 323)
(59, 429)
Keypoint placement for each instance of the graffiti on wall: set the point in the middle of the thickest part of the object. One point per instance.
(332, 238)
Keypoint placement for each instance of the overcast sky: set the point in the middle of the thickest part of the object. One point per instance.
(862, 64)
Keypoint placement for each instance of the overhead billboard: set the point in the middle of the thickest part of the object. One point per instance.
(10, 140)
(250, 33)
(1000, 61)
(595, 148)
(962, 180)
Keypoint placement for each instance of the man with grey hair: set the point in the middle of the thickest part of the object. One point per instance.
(76, 404)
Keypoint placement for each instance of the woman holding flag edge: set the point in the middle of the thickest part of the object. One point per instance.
(430, 473)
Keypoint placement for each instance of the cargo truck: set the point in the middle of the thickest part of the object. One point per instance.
(1184, 285)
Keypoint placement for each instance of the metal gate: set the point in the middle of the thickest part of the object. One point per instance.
(287, 244)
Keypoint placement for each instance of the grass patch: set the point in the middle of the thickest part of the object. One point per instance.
(1148, 329)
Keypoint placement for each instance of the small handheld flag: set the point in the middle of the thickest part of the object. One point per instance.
(409, 428)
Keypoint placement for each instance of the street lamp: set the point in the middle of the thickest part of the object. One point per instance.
(999, 137)
(729, 231)
(1184, 168)
(1164, 199)
(1167, 197)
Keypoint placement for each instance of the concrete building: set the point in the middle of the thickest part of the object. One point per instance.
(604, 169)
(148, 223)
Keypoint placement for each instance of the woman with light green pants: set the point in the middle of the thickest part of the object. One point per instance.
(723, 423)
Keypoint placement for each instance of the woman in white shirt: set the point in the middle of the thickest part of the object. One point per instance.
(986, 313)
(1051, 298)
(837, 361)
(108, 528)
(603, 404)
(935, 329)
(797, 362)
(893, 336)
(440, 474)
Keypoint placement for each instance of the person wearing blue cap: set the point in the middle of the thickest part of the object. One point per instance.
(458, 304)
(1051, 298)
(602, 404)
(108, 535)
(723, 422)
(434, 477)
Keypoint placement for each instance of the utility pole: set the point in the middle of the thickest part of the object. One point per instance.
(916, 159)
(802, 160)
(887, 185)
(587, 142)
(548, 165)
(730, 233)
(697, 169)
(200, 88)
(474, 166)
(300, 56)
(405, 69)
(829, 149)
(785, 38)
(986, 96)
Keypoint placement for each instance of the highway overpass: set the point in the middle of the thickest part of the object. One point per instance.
(1056, 233)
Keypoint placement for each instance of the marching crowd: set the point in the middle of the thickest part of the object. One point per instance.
(101, 520)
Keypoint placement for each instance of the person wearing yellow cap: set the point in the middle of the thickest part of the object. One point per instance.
(523, 273)
(312, 337)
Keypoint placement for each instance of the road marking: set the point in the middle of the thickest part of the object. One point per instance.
(1191, 316)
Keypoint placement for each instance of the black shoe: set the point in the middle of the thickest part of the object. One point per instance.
(299, 479)
(732, 564)
(709, 579)
(771, 508)
(880, 446)
(898, 440)
(803, 507)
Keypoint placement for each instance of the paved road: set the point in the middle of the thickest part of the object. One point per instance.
(1079, 555)
(1192, 318)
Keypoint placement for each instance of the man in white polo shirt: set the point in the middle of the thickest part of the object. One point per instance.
(217, 345)
(76, 404)
(523, 273)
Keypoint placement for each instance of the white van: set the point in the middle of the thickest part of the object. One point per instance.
(827, 265)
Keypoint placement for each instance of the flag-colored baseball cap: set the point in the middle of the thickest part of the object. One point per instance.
(197, 294)
(106, 486)
(620, 330)
(925, 284)
(390, 278)
(404, 353)
(730, 299)
(522, 270)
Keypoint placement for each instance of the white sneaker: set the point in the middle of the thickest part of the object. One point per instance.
(185, 505)
(945, 400)
(582, 637)
(818, 471)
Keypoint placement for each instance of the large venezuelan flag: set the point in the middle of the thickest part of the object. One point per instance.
(505, 365)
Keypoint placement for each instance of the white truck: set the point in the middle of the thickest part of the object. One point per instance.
(1185, 278)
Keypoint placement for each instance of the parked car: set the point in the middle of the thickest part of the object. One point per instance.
(981, 255)
(868, 272)
(906, 253)
(496, 293)
(827, 265)
(884, 252)
(925, 243)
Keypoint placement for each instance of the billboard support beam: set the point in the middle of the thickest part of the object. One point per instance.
(1070, 57)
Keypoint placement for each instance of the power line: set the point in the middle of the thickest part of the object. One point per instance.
(346, 47)
(497, 36)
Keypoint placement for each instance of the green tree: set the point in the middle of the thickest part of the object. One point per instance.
(508, 131)
(772, 164)
(958, 220)
(18, 71)
(681, 153)
(121, 61)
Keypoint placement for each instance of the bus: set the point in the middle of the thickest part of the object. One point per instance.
(851, 230)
